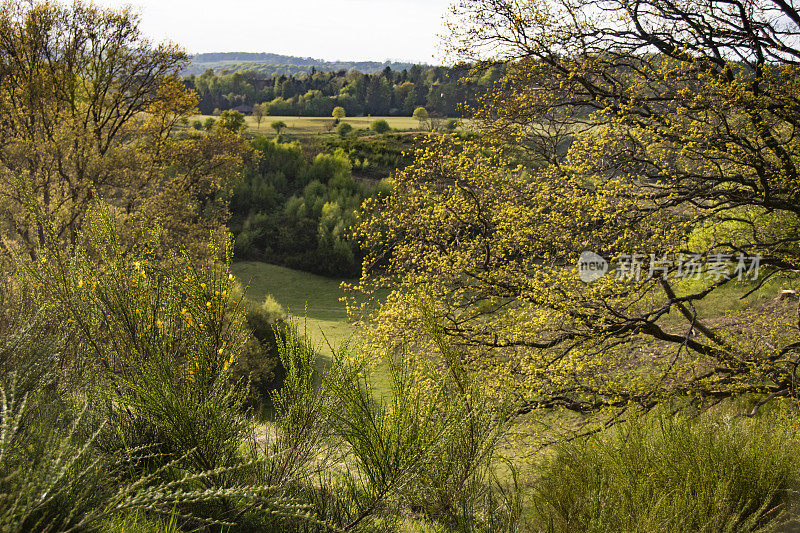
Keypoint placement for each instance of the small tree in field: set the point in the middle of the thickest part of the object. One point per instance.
(421, 115)
(232, 121)
(338, 113)
(258, 113)
(278, 126)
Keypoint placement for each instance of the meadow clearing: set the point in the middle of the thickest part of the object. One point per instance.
(314, 302)
(306, 297)
(320, 125)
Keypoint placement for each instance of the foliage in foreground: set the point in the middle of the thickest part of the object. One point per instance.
(670, 473)
(120, 401)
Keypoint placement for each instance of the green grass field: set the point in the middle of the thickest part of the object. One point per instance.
(310, 299)
(305, 296)
(319, 125)
(313, 300)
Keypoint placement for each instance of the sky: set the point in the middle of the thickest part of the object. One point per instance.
(348, 30)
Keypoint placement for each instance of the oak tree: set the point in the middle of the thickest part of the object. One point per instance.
(662, 137)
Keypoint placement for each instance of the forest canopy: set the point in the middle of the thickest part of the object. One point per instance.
(442, 90)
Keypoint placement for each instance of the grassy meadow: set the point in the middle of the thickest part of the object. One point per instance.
(320, 125)
(314, 301)
(307, 297)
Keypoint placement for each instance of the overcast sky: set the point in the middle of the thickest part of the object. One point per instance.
(325, 29)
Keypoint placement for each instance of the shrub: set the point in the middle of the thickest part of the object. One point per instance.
(163, 430)
(344, 129)
(244, 246)
(159, 334)
(54, 481)
(158, 337)
(380, 126)
(669, 473)
(31, 339)
(48, 479)
(428, 446)
(278, 126)
(258, 366)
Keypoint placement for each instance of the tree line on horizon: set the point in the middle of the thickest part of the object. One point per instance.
(443, 91)
(269, 64)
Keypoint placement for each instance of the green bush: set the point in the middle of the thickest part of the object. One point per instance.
(258, 365)
(344, 129)
(151, 419)
(32, 340)
(159, 339)
(380, 126)
(669, 473)
(53, 480)
(48, 477)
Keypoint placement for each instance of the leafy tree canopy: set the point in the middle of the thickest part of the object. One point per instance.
(621, 128)
(233, 121)
(88, 109)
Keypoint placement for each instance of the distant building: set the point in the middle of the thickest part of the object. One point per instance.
(244, 109)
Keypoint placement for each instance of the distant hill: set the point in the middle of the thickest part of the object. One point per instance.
(276, 64)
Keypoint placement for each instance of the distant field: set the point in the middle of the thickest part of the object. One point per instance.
(315, 125)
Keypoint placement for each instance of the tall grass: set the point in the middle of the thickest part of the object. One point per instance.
(56, 482)
(669, 473)
(366, 460)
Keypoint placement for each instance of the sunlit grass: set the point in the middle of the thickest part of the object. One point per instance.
(312, 300)
(321, 125)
